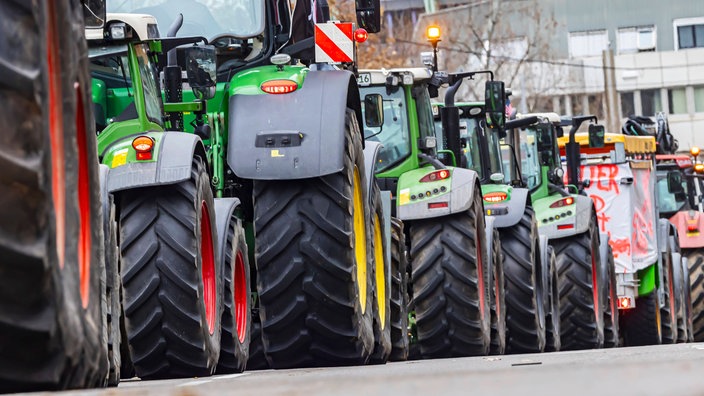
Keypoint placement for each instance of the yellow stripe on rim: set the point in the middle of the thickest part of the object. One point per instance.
(379, 271)
(360, 239)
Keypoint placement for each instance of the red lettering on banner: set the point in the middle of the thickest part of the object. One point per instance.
(622, 245)
(609, 172)
(601, 216)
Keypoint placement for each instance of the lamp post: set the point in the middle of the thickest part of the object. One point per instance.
(432, 32)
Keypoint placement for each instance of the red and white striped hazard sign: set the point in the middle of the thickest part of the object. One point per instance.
(333, 43)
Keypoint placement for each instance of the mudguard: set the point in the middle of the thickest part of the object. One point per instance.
(224, 208)
(174, 156)
(296, 135)
(458, 198)
(105, 199)
(516, 206)
(545, 267)
(371, 151)
(580, 218)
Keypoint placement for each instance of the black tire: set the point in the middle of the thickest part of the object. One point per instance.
(611, 322)
(668, 312)
(678, 271)
(52, 307)
(311, 308)
(498, 298)
(169, 268)
(688, 303)
(113, 291)
(581, 295)
(641, 325)
(257, 358)
(381, 304)
(553, 339)
(237, 302)
(525, 308)
(399, 293)
(695, 260)
(450, 290)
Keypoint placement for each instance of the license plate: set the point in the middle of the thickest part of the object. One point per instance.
(364, 79)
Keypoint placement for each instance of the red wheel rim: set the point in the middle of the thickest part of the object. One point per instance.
(480, 271)
(56, 134)
(84, 204)
(239, 293)
(207, 267)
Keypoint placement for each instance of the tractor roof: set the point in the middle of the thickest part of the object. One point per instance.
(553, 118)
(144, 26)
(378, 76)
(632, 144)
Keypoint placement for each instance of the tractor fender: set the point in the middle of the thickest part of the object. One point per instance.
(489, 232)
(371, 151)
(459, 197)
(584, 210)
(545, 266)
(173, 165)
(516, 206)
(224, 208)
(665, 230)
(105, 201)
(604, 258)
(296, 135)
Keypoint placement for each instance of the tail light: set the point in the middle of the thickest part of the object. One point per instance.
(437, 205)
(565, 226)
(441, 174)
(692, 227)
(563, 202)
(360, 35)
(279, 86)
(624, 302)
(143, 145)
(495, 197)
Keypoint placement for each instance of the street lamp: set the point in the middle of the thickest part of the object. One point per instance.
(432, 32)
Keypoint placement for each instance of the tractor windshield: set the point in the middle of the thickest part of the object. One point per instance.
(207, 18)
(669, 202)
(394, 134)
(530, 165)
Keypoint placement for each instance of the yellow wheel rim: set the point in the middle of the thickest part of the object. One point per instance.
(380, 272)
(360, 239)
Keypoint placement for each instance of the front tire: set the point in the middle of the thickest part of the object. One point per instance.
(553, 339)
(695, 260)
(498, 298)
(641, 325)
(381, 304)
(611, 321)
(400, 343)
(450, 294)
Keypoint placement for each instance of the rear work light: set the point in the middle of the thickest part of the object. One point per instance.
(143, 145)
(279, 86)
(441, 174)
(563, 202)
(495, 197)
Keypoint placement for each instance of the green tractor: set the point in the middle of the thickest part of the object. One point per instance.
(57, 236)
(472, 132)
(279, 142)
(455, 265)
(568, 218)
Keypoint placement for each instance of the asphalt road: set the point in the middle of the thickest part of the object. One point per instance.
(657, 370)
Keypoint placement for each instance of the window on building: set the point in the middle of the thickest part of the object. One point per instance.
(689, 33)
(677, 99)
(627, 104)
(650, 101)
(589, 43)
(636, 39)
(699, 99)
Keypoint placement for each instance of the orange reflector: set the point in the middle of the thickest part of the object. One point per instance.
(495, 197)
(624, 303)
(563, 202)
(437, 205)
(699, 168)
(360, 35)
(143, 145)
(279, 86)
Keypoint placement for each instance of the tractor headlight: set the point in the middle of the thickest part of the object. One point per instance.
(118, 31)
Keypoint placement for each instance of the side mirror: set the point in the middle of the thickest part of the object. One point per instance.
(200, 68)
(369, 15)
(495, 103)
(94, 13)
(596, 136)
(374, 110)
(674, 182)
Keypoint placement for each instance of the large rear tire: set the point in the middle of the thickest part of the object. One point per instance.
(611, 322)
(382, 287)
(53, 319)
(399, 293)
(695, 260)
(113, 289)
(525, 308)
(313, 262)
(641, 325)
(668, 312)
(450, 290)
(498, 298)
(581, 297)
(257, 358)
(172, 278)
(237, 312)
